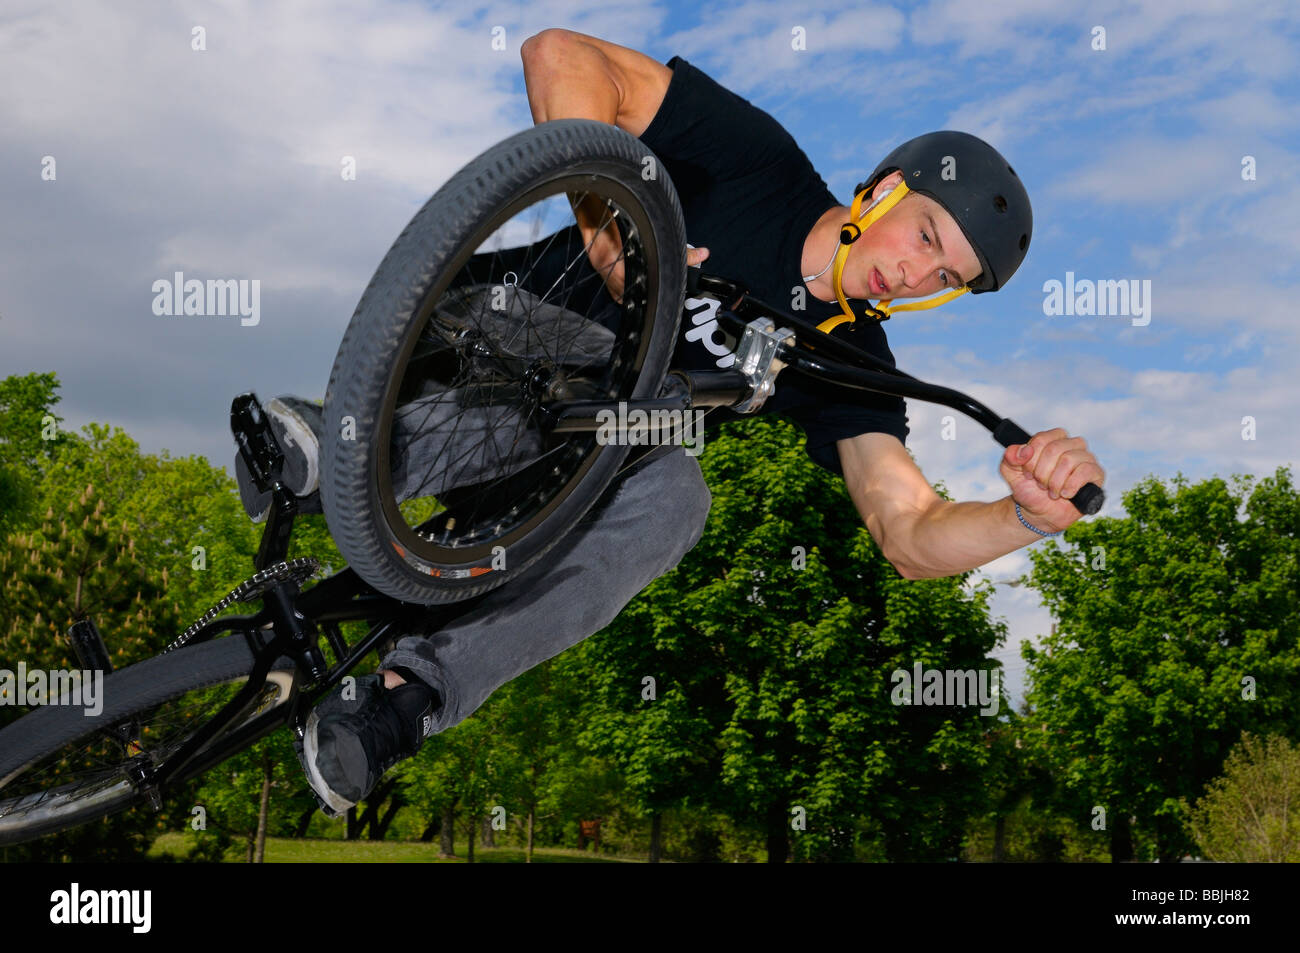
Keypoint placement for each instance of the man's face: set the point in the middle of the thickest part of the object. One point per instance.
(915, 250)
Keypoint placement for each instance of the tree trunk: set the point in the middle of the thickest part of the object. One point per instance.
(364, 820)
(489, 833)
(1168, 842)
(370, 817)
(778, 835)
(447, 833)
(268, 769)
(469, 842)
(999, 838)
(380, 830)
(304, 822)
(656, 836)
(351, 829)
(1121, 841)
(528, 856)
(429, 831)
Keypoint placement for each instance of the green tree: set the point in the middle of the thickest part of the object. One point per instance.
(184, 512)
(29, 435)
(771, 648)
(539, 768)
(188, 543)
(1025, 823)
(449, 780)
(1248, 815)
(231, 796)
(78, 563)
(1178, 628)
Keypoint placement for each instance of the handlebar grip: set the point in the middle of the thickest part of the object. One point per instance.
(1090, 497)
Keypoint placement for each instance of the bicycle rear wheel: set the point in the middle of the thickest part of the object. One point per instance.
(60, 768)
(439, 476)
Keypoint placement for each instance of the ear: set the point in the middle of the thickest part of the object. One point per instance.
(885, 184)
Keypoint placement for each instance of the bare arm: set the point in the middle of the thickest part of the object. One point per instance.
(919, 532)
(574, 76)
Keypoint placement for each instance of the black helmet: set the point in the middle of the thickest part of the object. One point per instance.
(982, 193)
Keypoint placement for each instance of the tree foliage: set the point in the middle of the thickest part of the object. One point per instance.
(1249, 814)
(1179, 627)
(771, 648)
(29, 435)
(741, 706)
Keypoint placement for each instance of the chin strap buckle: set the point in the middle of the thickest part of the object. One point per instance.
(850, 232)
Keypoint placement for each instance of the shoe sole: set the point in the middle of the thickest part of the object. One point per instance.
(323, 791)
(300, 434)
(298, 431)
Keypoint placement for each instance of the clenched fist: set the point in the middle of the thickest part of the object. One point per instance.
(1045, 472)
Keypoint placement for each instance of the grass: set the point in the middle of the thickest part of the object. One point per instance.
(284, 850)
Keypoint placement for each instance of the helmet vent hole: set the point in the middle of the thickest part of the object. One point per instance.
(1011, 170)
(999, 203)
(1024, 242)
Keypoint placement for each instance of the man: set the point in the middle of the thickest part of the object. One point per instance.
(942, 214)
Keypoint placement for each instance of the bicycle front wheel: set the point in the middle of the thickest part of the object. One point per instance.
(60, 768)
(439, 477)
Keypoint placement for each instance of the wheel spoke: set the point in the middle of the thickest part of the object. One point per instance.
(475, 427)
(491, 307)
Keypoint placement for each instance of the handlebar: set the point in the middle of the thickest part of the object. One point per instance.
(882, 377)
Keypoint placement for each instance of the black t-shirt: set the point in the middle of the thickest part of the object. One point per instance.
(750, 195)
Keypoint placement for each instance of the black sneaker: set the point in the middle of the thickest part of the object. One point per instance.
(350, 743)
(297, 425)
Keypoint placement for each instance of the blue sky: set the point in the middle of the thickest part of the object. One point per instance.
(225, 162)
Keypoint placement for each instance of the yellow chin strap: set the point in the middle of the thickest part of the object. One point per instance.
(850, 232)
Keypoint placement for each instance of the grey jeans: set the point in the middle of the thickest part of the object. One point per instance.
(640, 528)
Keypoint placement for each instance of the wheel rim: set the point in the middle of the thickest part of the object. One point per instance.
(498, 364)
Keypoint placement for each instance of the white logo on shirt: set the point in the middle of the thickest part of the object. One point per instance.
(703, 314)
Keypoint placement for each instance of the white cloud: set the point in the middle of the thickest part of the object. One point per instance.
(748, 46)
(1152, 172)
(226, 163)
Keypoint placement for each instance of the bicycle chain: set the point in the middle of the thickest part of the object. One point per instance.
(296, 570)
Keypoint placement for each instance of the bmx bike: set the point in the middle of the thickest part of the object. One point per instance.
(462, 441)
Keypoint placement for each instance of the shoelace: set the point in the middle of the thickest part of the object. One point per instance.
(392, 731)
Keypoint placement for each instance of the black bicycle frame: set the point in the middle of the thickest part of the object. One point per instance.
(291, 621)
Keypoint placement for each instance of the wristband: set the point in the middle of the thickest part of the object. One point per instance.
(1034, 528)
